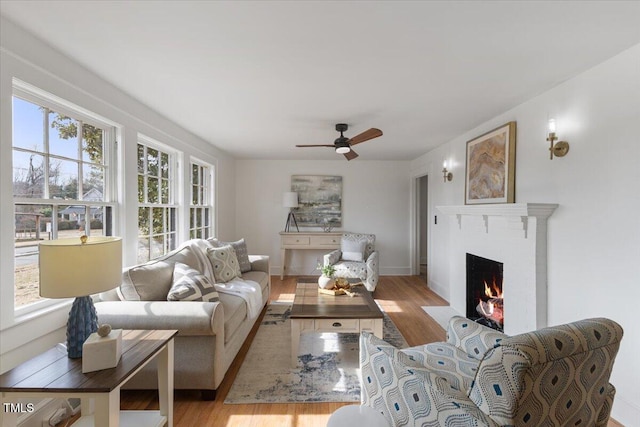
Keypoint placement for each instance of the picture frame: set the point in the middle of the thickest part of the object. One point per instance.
(319, 199)
(490, 168)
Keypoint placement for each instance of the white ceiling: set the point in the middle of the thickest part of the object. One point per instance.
(256, 78)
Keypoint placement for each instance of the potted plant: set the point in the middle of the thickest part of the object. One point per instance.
(325, 281)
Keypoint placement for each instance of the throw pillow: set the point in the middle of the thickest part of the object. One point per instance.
(352, 250)
(191, 285)
(241, 252)
(224, 263)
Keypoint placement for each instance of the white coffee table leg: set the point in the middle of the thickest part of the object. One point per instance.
(296, 325)
(377, 328)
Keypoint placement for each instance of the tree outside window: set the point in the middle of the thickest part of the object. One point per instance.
(59, 176)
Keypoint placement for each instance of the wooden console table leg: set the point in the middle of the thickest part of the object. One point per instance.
(283, 253)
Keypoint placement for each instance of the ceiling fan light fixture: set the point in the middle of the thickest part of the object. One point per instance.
(343, 149)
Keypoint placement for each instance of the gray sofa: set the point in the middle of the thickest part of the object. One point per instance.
(210, 334)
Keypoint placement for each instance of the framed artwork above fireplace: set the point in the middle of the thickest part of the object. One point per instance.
(491, 161)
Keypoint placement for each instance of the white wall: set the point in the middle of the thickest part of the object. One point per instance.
(32, 61)
(594, 236)
(375, 199)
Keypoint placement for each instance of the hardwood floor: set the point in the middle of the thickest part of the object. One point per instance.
(400, 296)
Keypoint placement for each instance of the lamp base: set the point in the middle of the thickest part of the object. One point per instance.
(83, 321)
(291, 219)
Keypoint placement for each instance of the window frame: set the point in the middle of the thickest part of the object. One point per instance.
(41, 98)
(171, 237)
(204, 207)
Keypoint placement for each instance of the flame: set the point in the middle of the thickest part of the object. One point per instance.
(493, 291)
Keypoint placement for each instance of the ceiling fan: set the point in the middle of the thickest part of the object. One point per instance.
(343, 144)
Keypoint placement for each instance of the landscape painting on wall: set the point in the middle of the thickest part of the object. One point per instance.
(491, 167)
(319, 198)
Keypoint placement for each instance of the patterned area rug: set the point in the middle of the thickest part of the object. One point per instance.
(328, 367)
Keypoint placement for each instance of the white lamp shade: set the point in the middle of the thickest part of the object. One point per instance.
(70, 268)
(290, 199)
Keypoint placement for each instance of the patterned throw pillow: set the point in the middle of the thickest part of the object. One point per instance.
(241, 252)
(190, 285)
(224, 263)
(352, 250)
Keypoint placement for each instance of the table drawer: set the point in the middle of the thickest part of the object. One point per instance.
(329, 241)
(295, 240)
(338, 325)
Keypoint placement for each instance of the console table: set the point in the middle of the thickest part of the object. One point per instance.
(53, 374)
(311, 240)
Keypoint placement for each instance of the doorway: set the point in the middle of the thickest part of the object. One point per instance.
(422, 222)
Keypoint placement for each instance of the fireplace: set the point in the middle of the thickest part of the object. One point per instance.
(485, 303)
(512, 233)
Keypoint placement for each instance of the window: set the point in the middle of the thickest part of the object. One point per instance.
(62, 172)
(201, 195)
(156, 205)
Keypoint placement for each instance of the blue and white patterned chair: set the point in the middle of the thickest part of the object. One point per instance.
(365, 269)
(556, 376)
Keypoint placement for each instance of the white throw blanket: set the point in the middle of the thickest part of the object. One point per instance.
(248, 290)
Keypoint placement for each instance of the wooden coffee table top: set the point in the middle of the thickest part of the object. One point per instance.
(309, 303)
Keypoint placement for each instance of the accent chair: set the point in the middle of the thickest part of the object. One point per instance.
(556, 376)
(356, 259)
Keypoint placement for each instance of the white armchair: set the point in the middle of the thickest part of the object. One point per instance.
(356, 258)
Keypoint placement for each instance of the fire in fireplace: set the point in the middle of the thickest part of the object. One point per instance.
(485, 303)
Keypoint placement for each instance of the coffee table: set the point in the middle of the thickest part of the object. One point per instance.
(316, 312)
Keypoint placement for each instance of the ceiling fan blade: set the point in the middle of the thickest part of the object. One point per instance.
(351, 155)
(365, 136)
(320, 145)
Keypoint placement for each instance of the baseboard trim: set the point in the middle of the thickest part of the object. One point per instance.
(624, 412)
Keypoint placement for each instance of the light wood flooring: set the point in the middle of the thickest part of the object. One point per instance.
(400, 296)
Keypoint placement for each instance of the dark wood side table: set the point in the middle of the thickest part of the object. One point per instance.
(53, 374)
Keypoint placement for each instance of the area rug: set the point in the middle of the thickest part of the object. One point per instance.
(328, 367)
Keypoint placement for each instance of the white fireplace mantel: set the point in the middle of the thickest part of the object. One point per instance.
(539, 210)
(495, 231)
(519, 211)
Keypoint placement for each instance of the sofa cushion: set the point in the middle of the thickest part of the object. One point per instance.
(191, 285)
(224, 263)
(259, 277)
(152, 280)
(240, 247)
(235, 312)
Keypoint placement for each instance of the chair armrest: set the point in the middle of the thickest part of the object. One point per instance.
(259, 263)
(372, 272)
(193, 318)
(332, 257)
(409, 395)
(471, 337)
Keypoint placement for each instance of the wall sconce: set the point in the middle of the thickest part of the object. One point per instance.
(560, 148)
(448, 176)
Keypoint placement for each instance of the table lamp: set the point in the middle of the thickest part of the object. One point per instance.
(290, 200)
(78, 268)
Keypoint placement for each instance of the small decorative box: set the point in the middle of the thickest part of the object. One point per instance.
(101, 352)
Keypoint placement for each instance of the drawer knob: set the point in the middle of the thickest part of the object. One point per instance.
(297, 241)
(337, 324)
